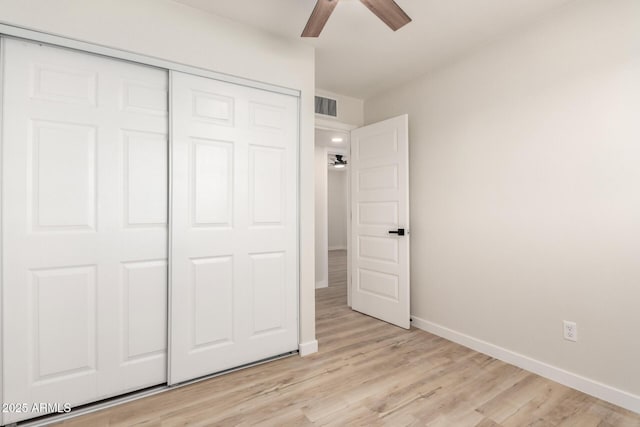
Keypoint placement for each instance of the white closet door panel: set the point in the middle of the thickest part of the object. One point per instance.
(145, 169)
(234, 241)
(84, 180)
(64, 345)
(62, 198)
(142, 361)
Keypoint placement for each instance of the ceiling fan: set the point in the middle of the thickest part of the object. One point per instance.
(338, 162)
(387, 10)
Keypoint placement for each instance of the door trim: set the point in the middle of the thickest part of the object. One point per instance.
(169, 215)
(70, 43)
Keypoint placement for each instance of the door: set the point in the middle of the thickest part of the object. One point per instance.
(234, 259)
(380, 220)
(84, 231)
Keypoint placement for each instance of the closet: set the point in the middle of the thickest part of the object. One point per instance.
(149, 226)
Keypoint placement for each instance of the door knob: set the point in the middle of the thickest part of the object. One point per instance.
(399, 232)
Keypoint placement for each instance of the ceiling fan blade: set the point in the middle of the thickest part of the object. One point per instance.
(321, 13)
(389, 12)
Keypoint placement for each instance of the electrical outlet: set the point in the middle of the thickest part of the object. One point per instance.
(570, 330)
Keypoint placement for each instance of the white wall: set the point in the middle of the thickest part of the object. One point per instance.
(350, 110)
(337, 208)
(172, 31)
(321, 220)
(525, 199)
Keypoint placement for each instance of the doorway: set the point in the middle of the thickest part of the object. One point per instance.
(332, 208)
(337, 218)
(376, 157)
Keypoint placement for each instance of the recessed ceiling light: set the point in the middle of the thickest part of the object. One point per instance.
(337, 139)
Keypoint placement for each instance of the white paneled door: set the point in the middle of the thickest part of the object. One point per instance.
(84, 230)
(234, 239)
(380, 220)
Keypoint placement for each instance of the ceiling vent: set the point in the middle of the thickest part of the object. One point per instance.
(326, 106)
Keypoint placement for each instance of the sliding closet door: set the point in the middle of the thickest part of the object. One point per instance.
(234, 226)
(84, 181)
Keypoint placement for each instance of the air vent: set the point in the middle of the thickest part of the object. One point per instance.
(326, 106)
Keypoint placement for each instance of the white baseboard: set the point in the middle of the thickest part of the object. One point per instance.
(307, 348)
(322, 284)
(337, 248)
(594, 388)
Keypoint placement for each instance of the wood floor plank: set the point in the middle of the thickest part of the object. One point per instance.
(369, 373)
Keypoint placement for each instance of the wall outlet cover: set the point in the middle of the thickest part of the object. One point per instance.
(570, 330)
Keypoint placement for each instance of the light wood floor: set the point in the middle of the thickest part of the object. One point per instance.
(338, 268)
(372, 374)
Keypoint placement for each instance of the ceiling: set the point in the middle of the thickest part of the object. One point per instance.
(358, 55)
(335, 141)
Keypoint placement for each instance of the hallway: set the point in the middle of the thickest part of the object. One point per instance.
(338, 268)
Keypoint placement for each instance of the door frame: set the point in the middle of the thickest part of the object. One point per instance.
(13, 31)
(333, 125)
